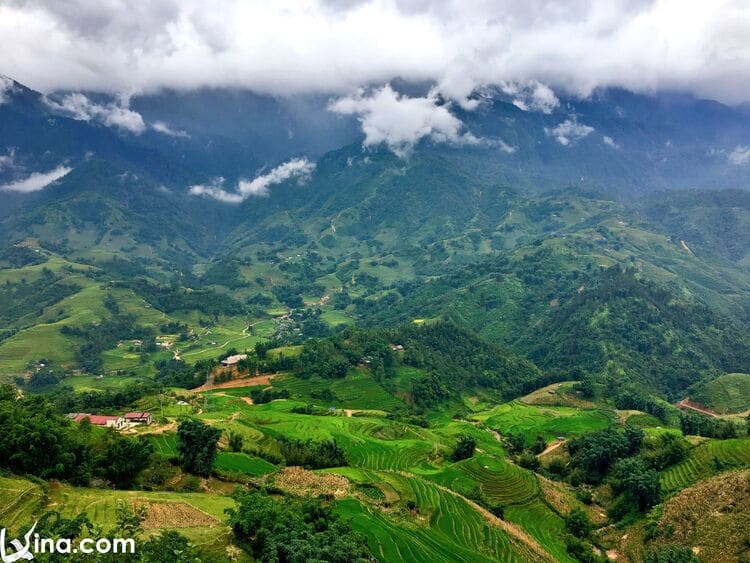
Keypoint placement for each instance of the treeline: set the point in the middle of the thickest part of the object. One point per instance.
(625, 459)
(454, 359)
(172, 298)
(20, 256)
(36, 440)
(104, 335)
(457, 359)
(311, 454)
(179, 373)
(694, 424)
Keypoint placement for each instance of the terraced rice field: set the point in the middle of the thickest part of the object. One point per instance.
(19, 501)
(231, 462)
(165, 444)
(705, 460)
(443, 528)
(542, 524)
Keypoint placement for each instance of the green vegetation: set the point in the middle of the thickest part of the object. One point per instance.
(196, 444)
(729, 393)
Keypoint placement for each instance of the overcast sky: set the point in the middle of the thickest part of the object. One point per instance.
(701, 46)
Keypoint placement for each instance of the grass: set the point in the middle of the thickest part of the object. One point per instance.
(231, 462)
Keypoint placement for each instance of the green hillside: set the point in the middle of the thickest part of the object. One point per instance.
(729, 393)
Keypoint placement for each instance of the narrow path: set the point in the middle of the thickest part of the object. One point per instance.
(552, 447)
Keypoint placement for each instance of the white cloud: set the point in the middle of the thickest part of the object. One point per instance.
(216, 190)
(8, 160)
(36, 181)
(532, 96)
(299, 168)
(610, 142)
(740, 156)
(400, 121)
(117, 114)
(335, 46)
(161, 127)
(6, 89)
(569, 131)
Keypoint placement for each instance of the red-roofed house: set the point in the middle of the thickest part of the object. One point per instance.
(138, 417)
(115, 422)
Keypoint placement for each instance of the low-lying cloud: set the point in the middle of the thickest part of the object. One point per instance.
(163, 128)
(400, 122)
(532, 96)
(334, 46)
(118, 114)
(569, 131)
(36, 181)
(260, 186)
(6, 89)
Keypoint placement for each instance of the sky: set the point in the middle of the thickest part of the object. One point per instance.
(338, 46)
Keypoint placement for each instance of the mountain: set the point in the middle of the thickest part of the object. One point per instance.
(499, 237)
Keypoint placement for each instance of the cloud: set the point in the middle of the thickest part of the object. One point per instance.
(569, 131)
(6, 89)
(610, 142)
(532, 96)
(399, 121)
(161, 127)
(740, 156)
(337, 45)
(78, 106)
(299, 168)
(8, 160)
(36, 181)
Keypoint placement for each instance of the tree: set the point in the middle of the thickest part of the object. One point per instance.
(124, 458)
(465, 448)
(515, 442)
(169, 547)
(639, 483)
(235, 442)
(196, 444)
(293, 530)
(577, 523)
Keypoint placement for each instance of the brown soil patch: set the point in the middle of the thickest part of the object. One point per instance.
(234, 383)
(301, 482)
(173, 515)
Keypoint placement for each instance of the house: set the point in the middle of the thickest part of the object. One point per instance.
(116, 422)
(233, 360)
(138, 417)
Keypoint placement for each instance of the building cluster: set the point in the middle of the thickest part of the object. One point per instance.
(118, 422)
